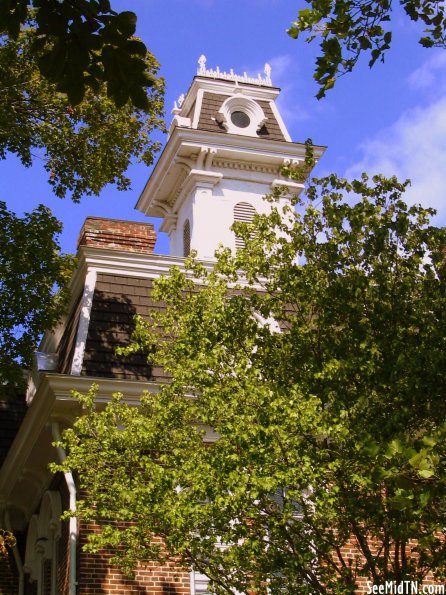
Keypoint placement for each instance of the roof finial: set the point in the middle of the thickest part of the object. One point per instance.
(231, 76)
(267, 72)
(202, 63)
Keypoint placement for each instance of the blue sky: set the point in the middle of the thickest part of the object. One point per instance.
(390, 119)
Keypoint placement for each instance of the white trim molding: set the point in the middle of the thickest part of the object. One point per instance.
(84, 321)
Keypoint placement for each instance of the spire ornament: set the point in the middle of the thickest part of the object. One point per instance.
(202, 64)
(231, 76)
(267, 72)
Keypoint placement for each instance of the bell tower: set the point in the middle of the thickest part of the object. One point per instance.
(226, 145)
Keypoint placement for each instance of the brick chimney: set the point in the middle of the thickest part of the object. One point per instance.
(117, 234)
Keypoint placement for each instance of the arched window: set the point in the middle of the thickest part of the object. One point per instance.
(44, 532)
(186, 238)
(244, 212)
(32, 565)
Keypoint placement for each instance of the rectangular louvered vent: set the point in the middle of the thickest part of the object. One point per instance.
(186, 238)
(243, 212)
(201, 586)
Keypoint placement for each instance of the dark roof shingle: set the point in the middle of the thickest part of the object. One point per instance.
(116, 301)
(212, 103)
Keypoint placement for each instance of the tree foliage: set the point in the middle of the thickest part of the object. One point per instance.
(328, 434)
(30, 267)
(7, 541)
(348, 28)
(83, 44)
(83, 147)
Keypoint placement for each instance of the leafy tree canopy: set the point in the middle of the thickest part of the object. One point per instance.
(328, 433)
(83, 147)
(83, 44)
(348, 28)
(30, 266)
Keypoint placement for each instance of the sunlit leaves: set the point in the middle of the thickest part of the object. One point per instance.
(330, 433)
(7, 541)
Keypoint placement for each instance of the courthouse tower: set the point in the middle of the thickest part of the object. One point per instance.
(227, 143)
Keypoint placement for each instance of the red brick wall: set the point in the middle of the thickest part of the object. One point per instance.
(96, 576)
(350, 551)
(46, 590)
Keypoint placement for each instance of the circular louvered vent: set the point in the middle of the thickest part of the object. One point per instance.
(240, 119)
(241, 115)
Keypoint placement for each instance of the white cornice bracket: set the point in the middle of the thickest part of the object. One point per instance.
(205, 157)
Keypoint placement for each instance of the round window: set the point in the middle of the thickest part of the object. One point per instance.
(240, 119)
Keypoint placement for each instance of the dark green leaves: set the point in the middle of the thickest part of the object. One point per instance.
(30, 270)
(12, 14)
(87, 146)
(347, 29)
(126, 23)
(77, 40)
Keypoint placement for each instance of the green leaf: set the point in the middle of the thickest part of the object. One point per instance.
(425, 473)
(427, 42)
(118, 93)
(139, 97)
(126, 23)
(135, 46)
(74, 91)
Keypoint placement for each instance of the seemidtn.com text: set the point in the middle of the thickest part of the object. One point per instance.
(404, 588)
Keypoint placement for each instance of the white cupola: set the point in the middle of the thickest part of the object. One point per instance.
(227, 143)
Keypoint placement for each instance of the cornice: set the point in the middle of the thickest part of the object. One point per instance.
(246, 166)
(222, 140)
(185, 142)
(132, 264)
(32, 425)
(129, 263)
(179, 184)
(62, 386)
